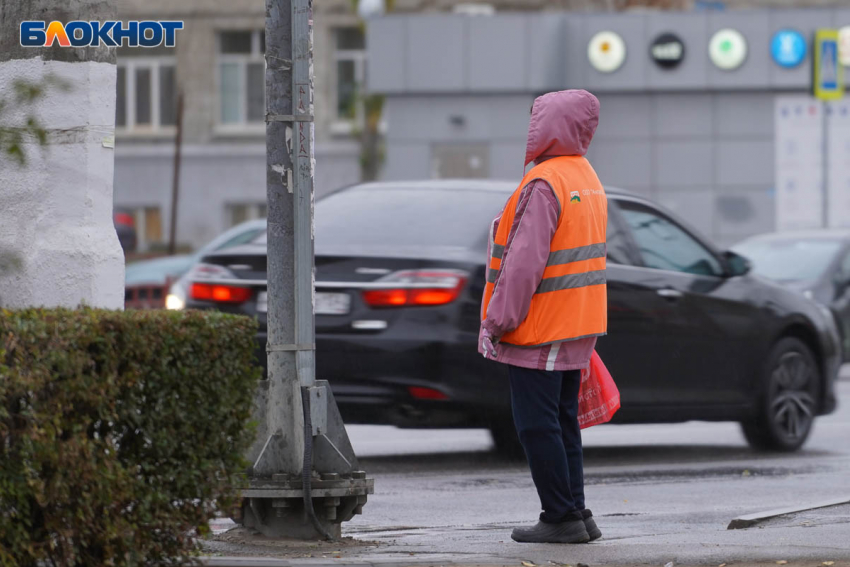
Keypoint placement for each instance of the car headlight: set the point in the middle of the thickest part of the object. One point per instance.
(174, 302)
(176, 298)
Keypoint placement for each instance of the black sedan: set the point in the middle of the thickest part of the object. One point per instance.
(813, 262)
(399, 277)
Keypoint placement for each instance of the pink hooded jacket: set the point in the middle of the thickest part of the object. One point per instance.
(562, 124)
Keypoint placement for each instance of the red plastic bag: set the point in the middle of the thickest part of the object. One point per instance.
(598, 397)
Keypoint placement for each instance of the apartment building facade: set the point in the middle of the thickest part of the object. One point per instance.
(218, 65)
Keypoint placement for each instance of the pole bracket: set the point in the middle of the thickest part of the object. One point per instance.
(290, 347)
(289, 117)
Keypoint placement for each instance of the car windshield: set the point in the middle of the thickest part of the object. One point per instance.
(408, 218)
(790, 260)
(239, 234)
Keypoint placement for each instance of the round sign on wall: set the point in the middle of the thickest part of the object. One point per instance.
(606, 51)
(667, 50)
(788, 48)
(727, 49)
(844, 46)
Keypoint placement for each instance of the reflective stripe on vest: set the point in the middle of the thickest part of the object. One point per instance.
(571, 281)
(561, 258)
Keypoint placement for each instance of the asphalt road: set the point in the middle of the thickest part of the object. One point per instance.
(660, 493)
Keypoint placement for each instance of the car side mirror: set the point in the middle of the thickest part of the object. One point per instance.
(736, 264)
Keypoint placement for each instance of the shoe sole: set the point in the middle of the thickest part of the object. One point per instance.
(566, 539)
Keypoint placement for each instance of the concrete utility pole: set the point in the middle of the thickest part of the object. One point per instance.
(56, 210)
(301, 485)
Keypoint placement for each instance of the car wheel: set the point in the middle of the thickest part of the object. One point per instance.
(506, 441)
(788, 401)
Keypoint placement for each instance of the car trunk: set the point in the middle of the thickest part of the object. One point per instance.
(340, 284)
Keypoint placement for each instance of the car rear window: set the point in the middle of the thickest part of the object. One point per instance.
(405, 218)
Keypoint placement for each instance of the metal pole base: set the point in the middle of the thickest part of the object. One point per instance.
(274, 505)
(284, 518)
(276, 508)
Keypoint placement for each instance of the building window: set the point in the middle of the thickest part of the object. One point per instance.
(146, 89)
(148, 226)
(236, 213)
(241, 77)
(350, 55)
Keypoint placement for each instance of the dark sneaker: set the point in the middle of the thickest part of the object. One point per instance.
(590, 525)
(572, 531)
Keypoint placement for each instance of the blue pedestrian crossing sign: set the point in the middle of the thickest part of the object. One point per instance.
(828, 73)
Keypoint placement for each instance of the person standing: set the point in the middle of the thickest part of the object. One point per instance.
(545, 303)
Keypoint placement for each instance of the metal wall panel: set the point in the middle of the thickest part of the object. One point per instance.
(742, 212)
(506, 160)
(498, 53)
(386, 52)
(696, 207)
(806, 22)
(743, 114)
(755, 71)
(692, 72)
(682, 114)
(509, 116)
(624, 116)
(574, 62)
(548, 49)
(681, 164)
(436, 53)
(407, 160)
(460, 118)
(622, 163)
(409, 117)
(745, 162)
(632, 76)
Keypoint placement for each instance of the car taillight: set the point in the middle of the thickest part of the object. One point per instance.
(220, 293)
(417, 288)
(426, 393)
(125, 219)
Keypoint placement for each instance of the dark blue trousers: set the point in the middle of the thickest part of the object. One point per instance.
(545, 408)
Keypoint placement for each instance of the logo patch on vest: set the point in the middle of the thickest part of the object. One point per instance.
(574, 198)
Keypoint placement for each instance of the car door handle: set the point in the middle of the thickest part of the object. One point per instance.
(668, 293)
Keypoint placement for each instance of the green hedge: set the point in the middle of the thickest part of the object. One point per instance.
(120, 432)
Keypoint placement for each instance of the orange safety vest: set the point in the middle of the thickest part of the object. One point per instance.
(571, 301)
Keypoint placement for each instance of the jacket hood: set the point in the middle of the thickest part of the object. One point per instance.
(562, 124)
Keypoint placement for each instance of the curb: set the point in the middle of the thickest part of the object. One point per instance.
(242, 561)
(750, 520)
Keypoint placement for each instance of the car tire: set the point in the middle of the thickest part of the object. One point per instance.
(788, 399)
(506, 441)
